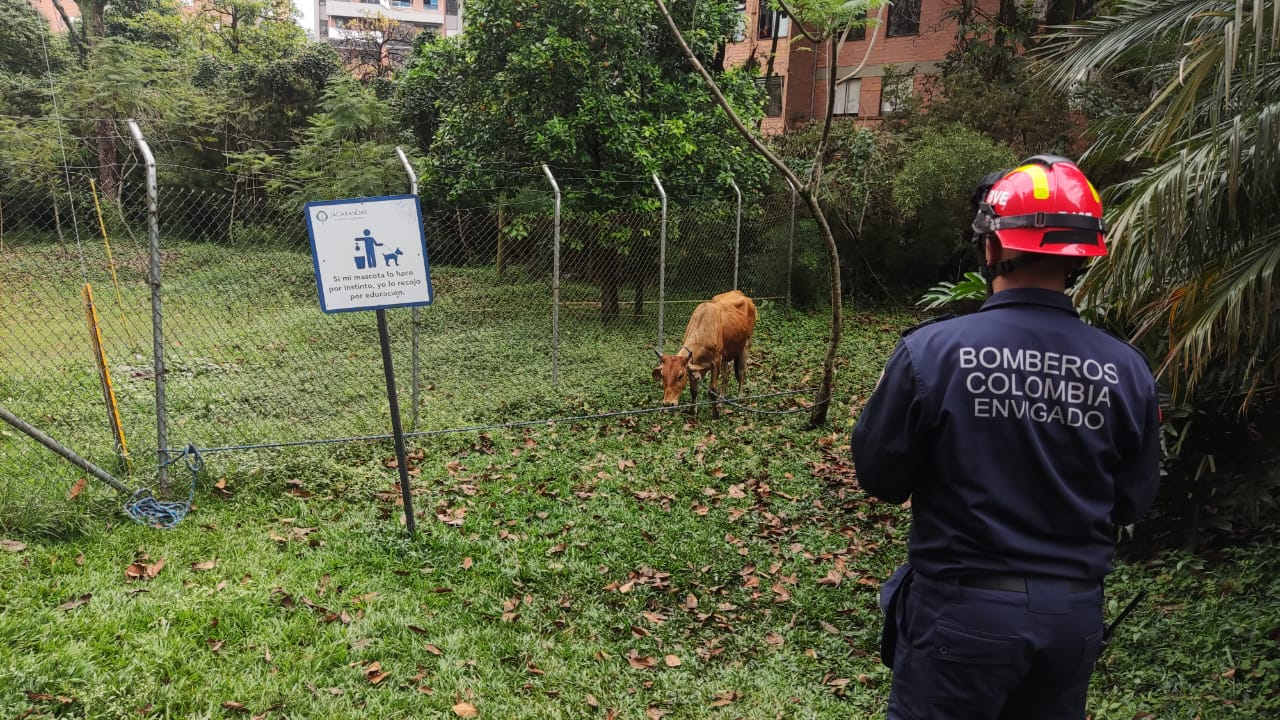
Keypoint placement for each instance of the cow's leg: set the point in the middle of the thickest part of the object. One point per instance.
(717, 388)
(693, 395)
(740, 369)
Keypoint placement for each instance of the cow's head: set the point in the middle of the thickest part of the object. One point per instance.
(673, 372)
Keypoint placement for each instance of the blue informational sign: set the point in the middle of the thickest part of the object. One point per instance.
(369, 253)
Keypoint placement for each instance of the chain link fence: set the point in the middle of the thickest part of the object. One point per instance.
(250, 361)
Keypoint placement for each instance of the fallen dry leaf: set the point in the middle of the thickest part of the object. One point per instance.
(724, 698)
(76, 488)
(215, 645)
(206, 565)
(12, 546)
(639, 662)
(46, 697)
(75, 602)
(233, 705)
(773, 638)
(671, 661)
(374, 674)
(465, 710)
(783, 595)
(141, 570)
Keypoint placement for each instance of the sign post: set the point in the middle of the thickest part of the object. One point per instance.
(371, 254)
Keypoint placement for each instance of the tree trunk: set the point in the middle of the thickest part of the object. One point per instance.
(57, 223)
(1060, 12)
(822, 402)
(502, 239)
(108, 165)
(608, 298)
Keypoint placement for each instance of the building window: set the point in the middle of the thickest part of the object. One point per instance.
(740, 12)
(859, 32)
(904, 18)
(429, 29)
(772, 23)
(893, 91)
(848, 93)
(431, 4)
(772, 87)
(402, 3)
(451, 7)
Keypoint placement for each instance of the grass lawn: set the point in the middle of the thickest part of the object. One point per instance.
(643, 566)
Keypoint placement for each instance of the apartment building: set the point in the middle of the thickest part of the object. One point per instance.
(912, 36)
(347, 22)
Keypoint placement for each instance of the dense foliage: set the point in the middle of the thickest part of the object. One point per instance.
(602, 100)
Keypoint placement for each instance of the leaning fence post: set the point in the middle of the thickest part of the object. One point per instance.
(662, 262)
(157, 317)
(737, 233)
(791, 241)
(413, 333)
(555, 281)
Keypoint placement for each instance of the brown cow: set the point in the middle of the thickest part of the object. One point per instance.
(718, 331)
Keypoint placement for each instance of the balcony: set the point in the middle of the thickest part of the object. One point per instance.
(430, 14)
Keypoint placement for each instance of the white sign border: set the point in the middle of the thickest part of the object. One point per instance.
(315, 256)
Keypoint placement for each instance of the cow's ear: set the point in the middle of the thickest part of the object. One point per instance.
(657, 374)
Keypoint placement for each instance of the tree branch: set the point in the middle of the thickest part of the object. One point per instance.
(875, 32)
(795, 22)
(724, 104)
(822, 400)
(79, 43)
(836, 44)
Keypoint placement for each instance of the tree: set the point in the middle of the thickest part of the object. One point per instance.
(24, 37)
(822, 22)
(375, 46)
(1195, 240)
(267, 100)
(261, 29)
(349, 150)
(27, 54)
(598, 91)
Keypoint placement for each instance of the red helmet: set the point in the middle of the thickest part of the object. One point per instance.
(1045, 205)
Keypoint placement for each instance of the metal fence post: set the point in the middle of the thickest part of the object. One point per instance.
(662, 263)
(555, 282)
(737, 233)
(157, 317)
(791, 242)
(413, 333)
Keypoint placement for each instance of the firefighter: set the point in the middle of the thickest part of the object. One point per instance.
(1023, 438)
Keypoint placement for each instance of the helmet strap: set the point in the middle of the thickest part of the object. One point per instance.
(1004, 267)
(1078, 273)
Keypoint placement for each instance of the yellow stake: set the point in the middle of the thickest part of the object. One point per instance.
(104, 376)
(110, 262)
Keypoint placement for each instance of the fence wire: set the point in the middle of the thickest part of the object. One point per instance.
(250, 358)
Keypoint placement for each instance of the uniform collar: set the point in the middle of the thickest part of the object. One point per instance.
(1031, 296)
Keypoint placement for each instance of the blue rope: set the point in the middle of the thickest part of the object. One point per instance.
(146, 509)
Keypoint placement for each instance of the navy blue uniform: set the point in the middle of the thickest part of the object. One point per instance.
(1022, 437)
